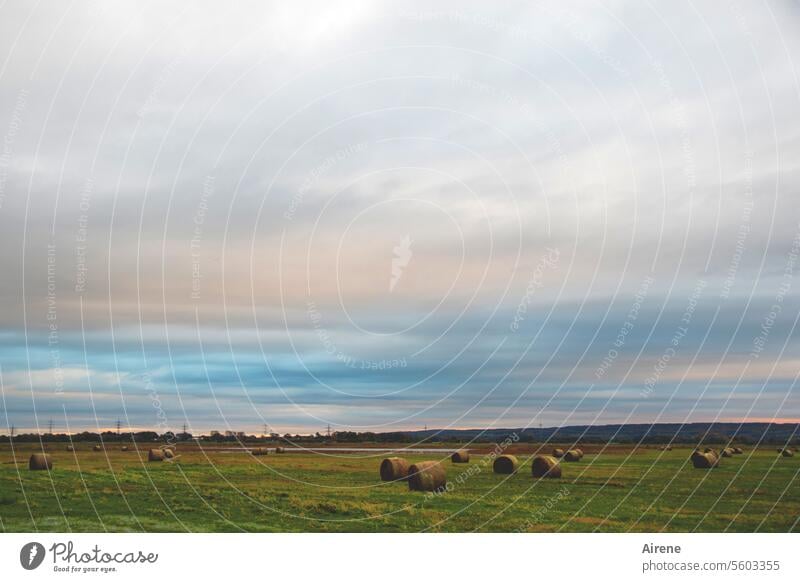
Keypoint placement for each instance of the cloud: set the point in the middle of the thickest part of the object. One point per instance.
(211, 199)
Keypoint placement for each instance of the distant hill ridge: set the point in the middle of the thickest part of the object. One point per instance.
(748, 432)
(690, 433)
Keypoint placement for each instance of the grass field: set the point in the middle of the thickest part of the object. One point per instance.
(614, 489)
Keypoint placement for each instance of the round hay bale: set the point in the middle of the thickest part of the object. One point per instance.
(259, 451)
(461, 456)
(572, 456)
(427, 476)
(394, 469)
(169, 454)
(545, 466)
(505, 464)
(699, 460)
(40, 462)
(97, 448)
(154, 455)
(704, 460)
(580, 453)
(558, 453)
(70, 448)
(124, 449)
(737, 450)
(279, 450)
(726, 452)
(787, 453)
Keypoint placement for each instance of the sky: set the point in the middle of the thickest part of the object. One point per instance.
(387, 215)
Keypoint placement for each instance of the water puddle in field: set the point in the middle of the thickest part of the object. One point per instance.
(231, 450)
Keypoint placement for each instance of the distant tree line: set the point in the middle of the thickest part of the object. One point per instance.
(110, 437)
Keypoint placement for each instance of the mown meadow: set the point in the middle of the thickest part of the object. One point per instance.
(614, 489)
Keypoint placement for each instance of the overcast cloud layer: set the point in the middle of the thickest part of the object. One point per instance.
(385, 216)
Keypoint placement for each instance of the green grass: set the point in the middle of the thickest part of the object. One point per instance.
(648, 490)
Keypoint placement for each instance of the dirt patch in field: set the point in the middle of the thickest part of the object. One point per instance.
(592, 521)
(595, 483)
